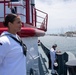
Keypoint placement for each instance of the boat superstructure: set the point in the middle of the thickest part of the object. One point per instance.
(34, 25)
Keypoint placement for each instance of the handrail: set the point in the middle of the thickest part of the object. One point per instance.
(1, 1)
(41, 19)
(43, 63)
(34, 70)
(42, 66)
(11, 4)
(16, 5)
(32, 56)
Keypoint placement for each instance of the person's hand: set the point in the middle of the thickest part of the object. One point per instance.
(58, 51)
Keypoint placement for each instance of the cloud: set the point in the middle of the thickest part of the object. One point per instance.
(61, 14)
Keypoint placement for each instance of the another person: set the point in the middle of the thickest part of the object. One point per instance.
(12, 59)
(14, 10)
(53, 58)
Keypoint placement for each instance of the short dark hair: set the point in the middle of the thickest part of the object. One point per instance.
(55, 45)
(9, 18)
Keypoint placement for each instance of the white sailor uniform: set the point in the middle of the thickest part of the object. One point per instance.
(53, 58)
(12, 59)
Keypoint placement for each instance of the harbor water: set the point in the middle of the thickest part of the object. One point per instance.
(63, 43)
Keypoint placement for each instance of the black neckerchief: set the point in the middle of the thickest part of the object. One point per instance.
(19, 40)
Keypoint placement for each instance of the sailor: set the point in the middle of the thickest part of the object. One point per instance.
(53, 58)
(12, 59)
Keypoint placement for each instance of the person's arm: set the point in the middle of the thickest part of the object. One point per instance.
(3, 50)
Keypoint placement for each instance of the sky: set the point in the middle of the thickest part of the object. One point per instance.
(61, 14)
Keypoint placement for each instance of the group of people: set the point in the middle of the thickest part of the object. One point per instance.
(12, 59)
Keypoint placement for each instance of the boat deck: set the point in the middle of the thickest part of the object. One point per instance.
(45, 60)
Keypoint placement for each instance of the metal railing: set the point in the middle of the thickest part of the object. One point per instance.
(39, 18)
(34, 70)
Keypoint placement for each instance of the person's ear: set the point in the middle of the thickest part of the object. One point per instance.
(9, 24)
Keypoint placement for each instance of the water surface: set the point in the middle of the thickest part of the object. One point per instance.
(64, 43)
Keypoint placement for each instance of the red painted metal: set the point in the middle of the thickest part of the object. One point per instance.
(26, 32)
(1, 25)
(3, 29)
(16, 5)
(32, 13)
(44, 22)
(4, 9)
(32, 30)
(3, 1)
(27, 12)
(34, 17)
